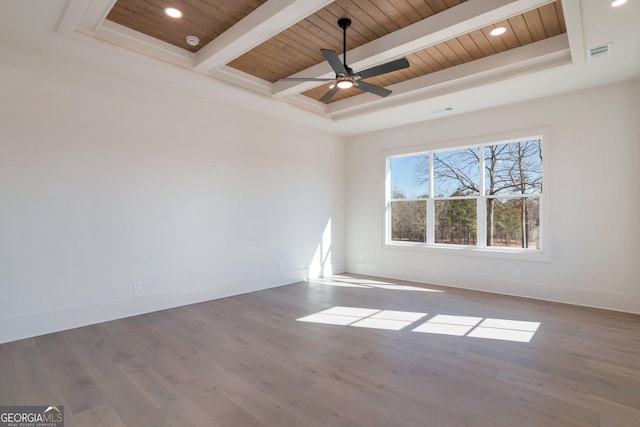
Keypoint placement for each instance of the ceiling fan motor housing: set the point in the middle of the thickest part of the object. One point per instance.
(349, 70)
(344, 23)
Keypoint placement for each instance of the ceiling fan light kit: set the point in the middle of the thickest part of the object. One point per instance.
(345, 76)
(344, 83)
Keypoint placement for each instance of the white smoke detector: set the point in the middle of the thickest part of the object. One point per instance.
(193, 41)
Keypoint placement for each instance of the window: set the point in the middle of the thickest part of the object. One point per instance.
(482, 196)
(408, 198)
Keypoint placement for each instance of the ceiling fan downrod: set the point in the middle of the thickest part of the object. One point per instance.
(344, 23)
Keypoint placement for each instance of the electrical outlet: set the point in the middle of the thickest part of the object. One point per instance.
(281, 265)
(360, 258)
(137, 286)
(218, 167)
(516, 272)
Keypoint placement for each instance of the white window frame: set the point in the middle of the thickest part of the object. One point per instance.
(480, 249)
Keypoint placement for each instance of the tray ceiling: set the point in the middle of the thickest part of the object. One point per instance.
(252, 44)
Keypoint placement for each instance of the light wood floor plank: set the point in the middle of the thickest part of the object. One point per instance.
(36, 381)
(130, 405)
(248, 361)
(221, 410)
(100, 416)
(10, 389)
(78, 388)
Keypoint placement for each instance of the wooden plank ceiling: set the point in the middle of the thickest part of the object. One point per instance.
(298, 47)
(205, 19)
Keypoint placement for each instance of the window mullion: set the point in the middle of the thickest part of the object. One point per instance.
(388, 199)
(481, 206)
(430, 206)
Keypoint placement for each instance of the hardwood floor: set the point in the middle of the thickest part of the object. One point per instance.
(414, 357)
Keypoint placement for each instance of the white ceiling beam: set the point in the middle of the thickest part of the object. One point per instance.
(71, 16)
(468, 16)
(573, 21)
(84, 16)
(543, 54)
(96, 14)
(266, 21)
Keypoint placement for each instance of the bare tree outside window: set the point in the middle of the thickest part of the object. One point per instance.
(513, 169)
(456, 179)
(510, 189)
(408, 200)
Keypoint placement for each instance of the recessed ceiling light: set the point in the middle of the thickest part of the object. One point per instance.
(616, 3)
(498, 31)
(173, 12)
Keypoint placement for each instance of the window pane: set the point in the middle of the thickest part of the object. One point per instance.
(514, 168)
(409, 176)
(456, 222)
(456, 173)
(513, 222)
(409, 221)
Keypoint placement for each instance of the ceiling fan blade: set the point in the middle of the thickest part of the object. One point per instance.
(306, 79)
(396, 65)
(327, 96)
(377, 90)
(334, 60)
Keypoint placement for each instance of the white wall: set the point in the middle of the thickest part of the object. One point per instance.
(594, 157)
(106, 178)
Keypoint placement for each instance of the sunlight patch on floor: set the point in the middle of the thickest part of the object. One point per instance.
(441, 324)
(365, 318)
(449, 325)
(347, 282)
(502, 329)
(390, 320)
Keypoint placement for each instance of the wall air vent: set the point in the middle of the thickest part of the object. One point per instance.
(597, 51)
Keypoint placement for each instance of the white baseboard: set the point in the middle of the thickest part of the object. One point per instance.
(547, 292)
(34, 324)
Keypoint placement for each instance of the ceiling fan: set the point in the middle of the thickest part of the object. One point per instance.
(345, 77)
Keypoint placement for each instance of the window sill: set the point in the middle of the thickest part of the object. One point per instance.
(455, 250)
